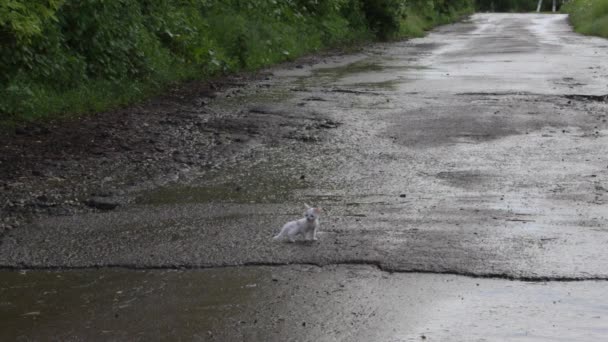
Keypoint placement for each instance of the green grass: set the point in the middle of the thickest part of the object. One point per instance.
(98, 95)
(588, 17)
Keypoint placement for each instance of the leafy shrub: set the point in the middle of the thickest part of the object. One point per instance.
(384, 16)
(107, 34)
(21, 20)
(588, 16)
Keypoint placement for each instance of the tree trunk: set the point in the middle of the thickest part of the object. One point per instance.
(540, 4)
(554, 5)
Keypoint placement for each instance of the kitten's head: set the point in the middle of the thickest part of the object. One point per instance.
(312, 214)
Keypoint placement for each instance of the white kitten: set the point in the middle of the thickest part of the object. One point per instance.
(307, 226)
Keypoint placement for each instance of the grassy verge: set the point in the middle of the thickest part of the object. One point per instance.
(65, 57)
(588, 17)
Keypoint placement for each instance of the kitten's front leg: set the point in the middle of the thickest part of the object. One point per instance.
(313, 233)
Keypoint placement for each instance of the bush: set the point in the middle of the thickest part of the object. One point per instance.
(588, 16)
(384, 16)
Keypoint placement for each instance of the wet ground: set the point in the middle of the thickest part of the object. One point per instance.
(297, 303)
(477, 151)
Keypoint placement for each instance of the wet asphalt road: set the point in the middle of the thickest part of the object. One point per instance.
(295, 303)
(479, 150)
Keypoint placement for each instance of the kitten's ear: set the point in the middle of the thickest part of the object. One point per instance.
(318, 210)
(307, 206)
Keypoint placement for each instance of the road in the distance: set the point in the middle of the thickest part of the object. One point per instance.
(479, 150)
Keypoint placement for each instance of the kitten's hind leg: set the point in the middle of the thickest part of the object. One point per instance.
(282, 234)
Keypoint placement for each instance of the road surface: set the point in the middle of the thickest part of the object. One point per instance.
(463, 180)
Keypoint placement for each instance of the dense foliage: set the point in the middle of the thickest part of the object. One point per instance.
(589, 16)
(506, 5)
(513, 5)
(66, 56)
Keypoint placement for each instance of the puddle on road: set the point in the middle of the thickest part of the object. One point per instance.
(249, 192)
(239, 98)
(466, 178)
(383, 85)
(123, 304)
(259, 179)
(367, 73)
(224, 193)
(292, 302)
(365, 66)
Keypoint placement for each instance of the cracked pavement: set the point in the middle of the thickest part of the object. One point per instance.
(479, 150)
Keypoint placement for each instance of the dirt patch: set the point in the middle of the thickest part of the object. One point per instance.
(97, 162)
